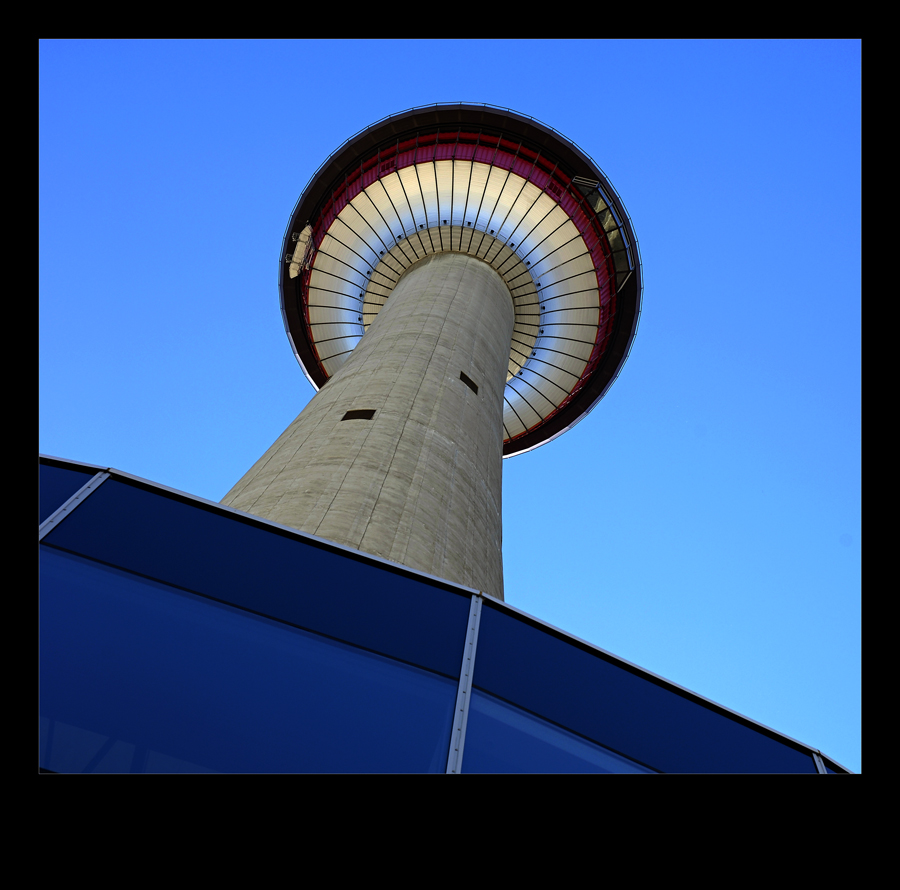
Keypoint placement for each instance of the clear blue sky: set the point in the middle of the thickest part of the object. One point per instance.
(704, 521)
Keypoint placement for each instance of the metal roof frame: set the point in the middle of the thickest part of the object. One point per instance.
(479, 598)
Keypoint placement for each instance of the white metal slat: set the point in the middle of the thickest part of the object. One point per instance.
(345, 251)
(589, 316)
(462, 172)
(574, 339)
(517, 202)
(579, 350)
(570, 367)
(511, 421)
(559, 264)
(556, 230)
(322, 292)
(388, 206)
(351, 233)
(537, 221)
(410, 182)
(372, 211)
(522, 410)
(334, 315)
(329, 273)
(509, 209)
(493, 186)
(443, 170)
(477, 184)
(547, 388)
(578, 290)
(397, 196)
(428, 192)
(327, 331)
(338, 349)
(333, 365)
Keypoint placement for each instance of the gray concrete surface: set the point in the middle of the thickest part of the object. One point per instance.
(419, 483)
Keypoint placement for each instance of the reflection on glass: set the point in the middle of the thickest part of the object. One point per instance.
(619, 707)
(138, 677)
(597, 201)
(620, 258)
(608, 221)
(159, 536)
(615, 240)
(503, 739)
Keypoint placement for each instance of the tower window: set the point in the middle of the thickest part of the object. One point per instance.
(469, 382)
(362, 414)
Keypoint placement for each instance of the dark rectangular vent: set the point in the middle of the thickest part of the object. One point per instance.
(363, 414)
(469, 382)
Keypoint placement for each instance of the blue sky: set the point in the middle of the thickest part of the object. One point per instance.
(704, 521)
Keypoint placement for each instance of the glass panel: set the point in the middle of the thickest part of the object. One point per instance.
(608, 221)
(596, 201)
(620, 259)
(833, 768)
(619, 707)
(57, 485)
(269, 572)
(138, 677)
(503, 739)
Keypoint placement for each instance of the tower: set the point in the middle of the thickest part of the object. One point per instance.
(483, 318)
(461, 284)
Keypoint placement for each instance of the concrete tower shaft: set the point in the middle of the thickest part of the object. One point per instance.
(461, 284)
(400, 454)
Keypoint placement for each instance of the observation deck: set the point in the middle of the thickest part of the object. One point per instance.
(499, 186)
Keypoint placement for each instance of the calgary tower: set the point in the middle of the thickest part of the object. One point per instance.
(461, 284)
